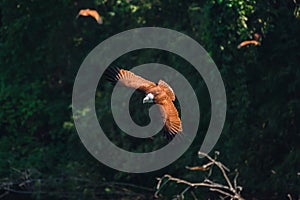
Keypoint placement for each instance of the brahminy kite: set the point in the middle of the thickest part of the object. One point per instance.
(254, 42)
(161, 94)
(92, 13)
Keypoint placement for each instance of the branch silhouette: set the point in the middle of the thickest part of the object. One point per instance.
(231, 189)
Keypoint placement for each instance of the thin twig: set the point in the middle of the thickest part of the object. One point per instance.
(221, 191)
(184, 191)
(194, 195)
(4, 194)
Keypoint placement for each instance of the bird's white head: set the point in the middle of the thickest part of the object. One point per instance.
(149, 98)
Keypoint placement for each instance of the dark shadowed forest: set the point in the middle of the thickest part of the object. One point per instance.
(256, 47)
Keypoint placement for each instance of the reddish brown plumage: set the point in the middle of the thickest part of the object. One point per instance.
(254, 42)
(163, 96)
(247, 42)
(92, 13)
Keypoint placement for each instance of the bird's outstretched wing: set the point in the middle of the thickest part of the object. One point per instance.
(171, 118)
(248, 42)
(128, 79)
(168, 90)
(92, 13)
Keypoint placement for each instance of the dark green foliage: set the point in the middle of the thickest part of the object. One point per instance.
(42, 46)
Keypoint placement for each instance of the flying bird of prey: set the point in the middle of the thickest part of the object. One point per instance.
(92, 13)
(161, 94)
(254, 42)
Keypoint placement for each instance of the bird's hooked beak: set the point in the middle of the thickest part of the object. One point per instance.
(149, 98)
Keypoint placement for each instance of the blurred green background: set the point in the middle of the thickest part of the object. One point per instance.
(42, 46)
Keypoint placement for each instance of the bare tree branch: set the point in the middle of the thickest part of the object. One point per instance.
(231, 190)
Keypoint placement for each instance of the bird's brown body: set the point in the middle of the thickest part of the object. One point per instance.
(163, 96)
